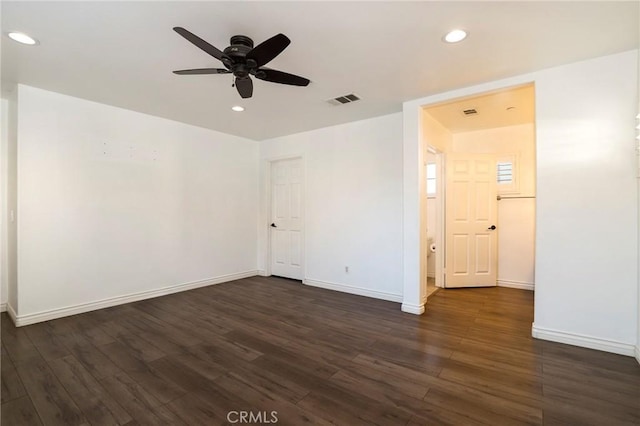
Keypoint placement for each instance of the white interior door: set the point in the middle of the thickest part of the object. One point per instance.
(471, 215)
(286, 218)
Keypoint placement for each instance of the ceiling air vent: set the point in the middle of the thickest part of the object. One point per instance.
(471, 111)
(351, 97)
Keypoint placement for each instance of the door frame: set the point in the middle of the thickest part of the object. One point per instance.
(267, 219)
(441, 191)
(414, 219)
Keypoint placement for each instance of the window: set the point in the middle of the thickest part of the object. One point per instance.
(507, 174)
(431, 179)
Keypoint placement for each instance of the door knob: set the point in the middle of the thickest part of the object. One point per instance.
(273, 225)
(491, 228)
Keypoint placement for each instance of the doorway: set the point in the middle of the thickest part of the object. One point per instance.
(486, 145)
(434, 172)
(286, 218)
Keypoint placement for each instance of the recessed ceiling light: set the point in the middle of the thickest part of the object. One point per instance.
(22, 38)
(455, 36)
(237, 108)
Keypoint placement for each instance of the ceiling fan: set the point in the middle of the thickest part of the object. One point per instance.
(243, 60)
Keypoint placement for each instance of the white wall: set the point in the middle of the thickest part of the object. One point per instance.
(516, 217)
(637, 349)
(516, 243)
(353, 204)
(587, 200)
(114, 203)
(435, 134)
(10, 203)
(4, 143)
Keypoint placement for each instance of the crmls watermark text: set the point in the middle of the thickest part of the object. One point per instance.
(252, 417)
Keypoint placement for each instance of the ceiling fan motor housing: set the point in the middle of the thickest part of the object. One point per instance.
(239, 65)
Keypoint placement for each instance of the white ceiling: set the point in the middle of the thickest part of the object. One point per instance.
(122, 53)
(499, 109)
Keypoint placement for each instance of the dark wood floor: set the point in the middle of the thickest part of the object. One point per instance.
(313, 356)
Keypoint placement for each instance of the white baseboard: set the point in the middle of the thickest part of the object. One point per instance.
(583, 341)
(12, 313)
(3, 307)
(412, 309)
(21, 320)
(262, 273)
(522, 285)
(638, 353)
(360, 291)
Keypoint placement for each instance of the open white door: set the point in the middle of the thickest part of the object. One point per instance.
(286, 218)
(471, 215)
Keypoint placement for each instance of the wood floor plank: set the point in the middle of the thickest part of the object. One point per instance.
(340, 406)
(561, 402)
(194, 411)
(139, 403)
(97, 405)
(218, 400)
(509, 386)
(420, 375)
(283, 388)
(12, 387)
(408, 356)
(478, 407)
(263, 400)
(46, 341)
(595, 375)
(122, 356)
(96, 362)
(20, 412)
(165, 345)
(135, 343)
(184, 321)
(154, 383)
(17, 343)
(52, 402)
(358, 378)
(181, 374)
(484, 354)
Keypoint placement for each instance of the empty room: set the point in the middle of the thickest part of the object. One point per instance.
(300, 212)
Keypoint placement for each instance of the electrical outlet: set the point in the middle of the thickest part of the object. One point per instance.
(346, 269)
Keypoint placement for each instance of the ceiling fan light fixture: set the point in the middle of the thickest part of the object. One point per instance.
(455, 36)
(237, 108)
(22, 38)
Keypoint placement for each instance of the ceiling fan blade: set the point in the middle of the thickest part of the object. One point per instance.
(269, 49)
(281, 77)
(203, 71)
(210, 49)
(245, 87)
